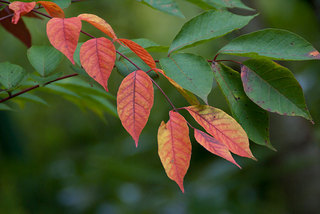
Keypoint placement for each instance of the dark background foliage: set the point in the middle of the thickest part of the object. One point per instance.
(63, 159)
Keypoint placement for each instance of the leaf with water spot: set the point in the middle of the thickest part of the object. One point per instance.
(272, 43)
(174, 147)
(11, 75)
(273, 87)
(253, 119)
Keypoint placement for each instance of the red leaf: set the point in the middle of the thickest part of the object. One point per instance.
(223, 128)
(64, 34)
(134, 102)
(174, 147)
(214, 146)
(18, 30)
(97, 57)
(99, 23)
(20, 9)
(140, 51)
(52, 8)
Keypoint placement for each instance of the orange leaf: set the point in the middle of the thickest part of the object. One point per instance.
(140, 51)
(52, 8)
(99, 23)
(97, 57)
(214, 146)
(174, 147)
(64, 34)
(223, 128)
(134, 102)
(20, 9)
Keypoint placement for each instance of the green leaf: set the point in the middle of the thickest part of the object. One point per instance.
(191, 72)
(273, 87)
(124, 67)
(11, 75)
(44, 59)
(253, 119)
(76, 55)
(273, 43)
(30, 98)
(208, 26)
(4, 107)
(43, 80)
(146, 44)
(201, 4)
(227, 4)
(62, 3)
(167, 6)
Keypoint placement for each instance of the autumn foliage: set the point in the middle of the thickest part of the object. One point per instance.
(221, 134)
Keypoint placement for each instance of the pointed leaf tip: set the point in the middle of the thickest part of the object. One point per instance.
(214, 146)
(223, 128)
(64, 34)
(134, 102)
(174, 147)
(98, 57)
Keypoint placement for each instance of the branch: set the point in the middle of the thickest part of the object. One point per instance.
(36, 86)
(72, 75)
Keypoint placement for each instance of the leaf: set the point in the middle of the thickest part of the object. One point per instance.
(19, 30)
(174, 147)
(191, 98)
(42, 81)
(11, 75)
(62, 3)
(191, 72)
(167, 6)
(140, 52)
(223, 128)
(64, 34)
(208, 26)
(4, 107)
(76, 55)
(146, 44)
(134, 102)
(214, 146)
(52, 9)
(273, 43)
(97, 57)
(227, 4)
(125, 67)
(30, 98)
(274, 88)
(44, 59)
(99, 23)
(254, 120)
(20, 9)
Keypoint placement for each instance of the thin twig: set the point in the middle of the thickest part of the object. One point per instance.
(36, 86)
(5, 17)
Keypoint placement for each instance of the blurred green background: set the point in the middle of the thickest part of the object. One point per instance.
(63, 159)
